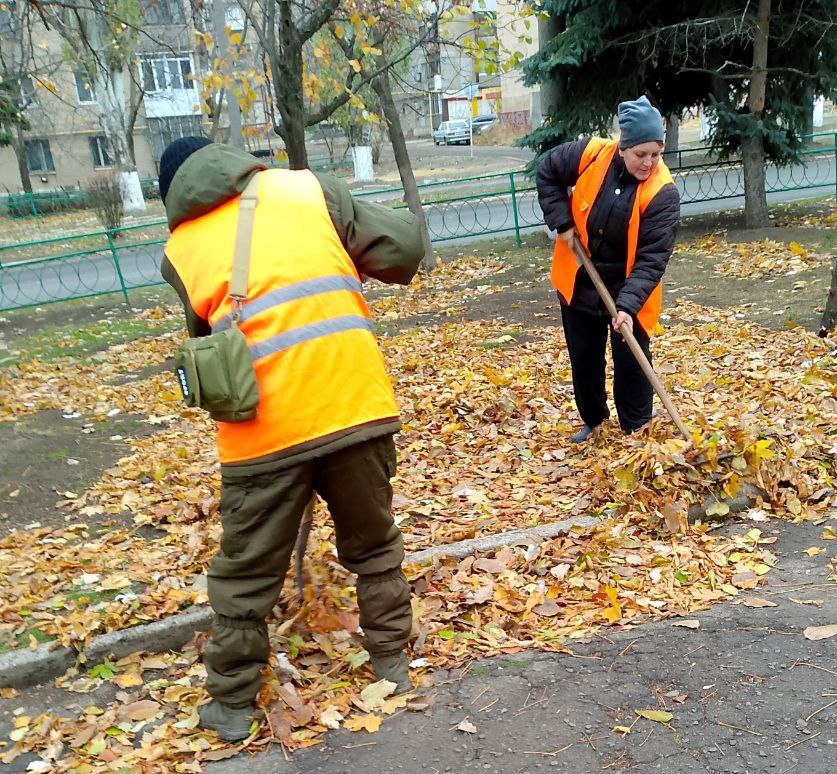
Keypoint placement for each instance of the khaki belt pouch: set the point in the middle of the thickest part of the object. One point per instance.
(216, 372)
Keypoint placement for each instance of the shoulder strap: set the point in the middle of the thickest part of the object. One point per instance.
(243, 237)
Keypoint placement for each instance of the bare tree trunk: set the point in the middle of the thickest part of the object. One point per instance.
(829, 316)
(110, 92)
(20, 154)
(286, 64)
(808, 102)
(756, 214)
(755, 196)
(382, 88)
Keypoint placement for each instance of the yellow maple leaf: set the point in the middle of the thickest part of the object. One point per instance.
(613, 613)
(658, 716)
(370, 723)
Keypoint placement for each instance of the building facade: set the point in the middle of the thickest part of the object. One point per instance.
(65, 146)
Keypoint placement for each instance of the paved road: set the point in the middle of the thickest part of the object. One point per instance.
(457, 222)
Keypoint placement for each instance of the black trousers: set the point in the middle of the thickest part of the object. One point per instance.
(586, 336)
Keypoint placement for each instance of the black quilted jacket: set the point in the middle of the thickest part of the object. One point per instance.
(607, 228)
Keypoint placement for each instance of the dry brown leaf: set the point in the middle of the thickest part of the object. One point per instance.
(820, 632)
(757, 602)
(140, 710)
(814, 602)
(547, 608)
(691, 623)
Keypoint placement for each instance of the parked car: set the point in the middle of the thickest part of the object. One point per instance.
(481, 123)
(452, 132)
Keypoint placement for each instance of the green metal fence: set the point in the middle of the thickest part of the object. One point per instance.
(34, 204)
(82, 265)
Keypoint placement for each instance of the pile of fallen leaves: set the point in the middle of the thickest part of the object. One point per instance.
(755, 260)
(443, 291)
(483, 450)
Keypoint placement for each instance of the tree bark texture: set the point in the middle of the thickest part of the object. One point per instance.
(382, 88)
(286, 64)
(829, 316)
(20, 154)
(755, 196)
(672, 158)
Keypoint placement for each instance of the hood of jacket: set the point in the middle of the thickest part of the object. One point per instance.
(208, 178)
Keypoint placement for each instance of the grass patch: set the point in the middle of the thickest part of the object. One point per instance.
(60, 342)
(828, 241)
(22, 640)
(506, 339)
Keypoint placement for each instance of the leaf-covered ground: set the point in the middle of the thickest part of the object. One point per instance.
(487, 408)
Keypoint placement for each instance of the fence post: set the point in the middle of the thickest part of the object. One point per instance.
(34, 207)
(116, 264)
(835, 165)
(514, 209)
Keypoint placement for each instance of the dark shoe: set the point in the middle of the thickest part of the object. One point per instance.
(232, 723)
(393, 667)
(586, 432)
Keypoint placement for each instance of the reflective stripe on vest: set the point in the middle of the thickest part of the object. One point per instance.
(317, 363)
(593, 167)
(292, 293)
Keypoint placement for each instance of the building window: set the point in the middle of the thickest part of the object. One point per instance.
(166, 130)
(84, 88)
(99, 151)
(28, 94)
(39, 156)
(163, 11)
(165, 73)
(234, 17)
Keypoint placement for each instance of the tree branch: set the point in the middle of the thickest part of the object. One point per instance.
(323, 11)
(342, 99)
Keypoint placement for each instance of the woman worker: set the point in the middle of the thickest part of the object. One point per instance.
(624, 208)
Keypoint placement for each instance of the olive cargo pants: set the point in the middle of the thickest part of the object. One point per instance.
(260, 516)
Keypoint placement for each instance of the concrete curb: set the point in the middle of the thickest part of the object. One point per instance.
(490, 542)
(23, 668)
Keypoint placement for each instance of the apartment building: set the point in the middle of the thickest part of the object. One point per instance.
(443, 81)
(65, 146)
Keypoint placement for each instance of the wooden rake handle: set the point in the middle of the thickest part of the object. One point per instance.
(627, 334)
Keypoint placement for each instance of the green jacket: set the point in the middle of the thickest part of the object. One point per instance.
(383, 243)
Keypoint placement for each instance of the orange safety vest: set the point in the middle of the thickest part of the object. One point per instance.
(317, 362)
(593, 167)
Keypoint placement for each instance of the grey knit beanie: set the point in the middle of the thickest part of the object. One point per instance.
(639, 122)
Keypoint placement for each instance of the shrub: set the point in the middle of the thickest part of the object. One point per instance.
(104, 196)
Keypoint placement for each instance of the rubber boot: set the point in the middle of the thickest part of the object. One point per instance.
(393, 667)
(232, 723)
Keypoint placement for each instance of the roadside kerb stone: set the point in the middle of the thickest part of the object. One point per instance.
(22, 668)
